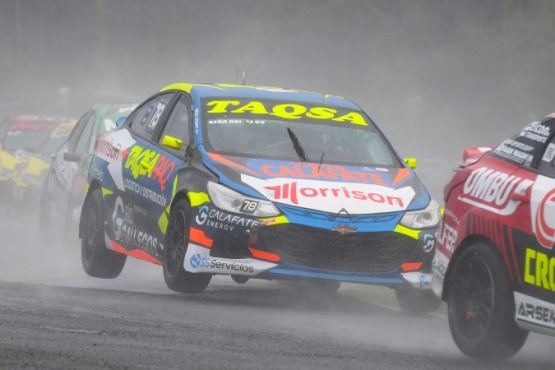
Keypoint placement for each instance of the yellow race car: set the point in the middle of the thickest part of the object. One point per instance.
(23, 141)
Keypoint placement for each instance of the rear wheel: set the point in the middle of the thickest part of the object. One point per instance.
(97, 260)
(175, 246)
(481, 306)
(417, 301)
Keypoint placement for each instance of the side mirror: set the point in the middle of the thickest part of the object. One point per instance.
(411, 162)
(172, 142)
(72, 157)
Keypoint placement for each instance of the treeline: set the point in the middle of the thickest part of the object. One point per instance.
(427, 70)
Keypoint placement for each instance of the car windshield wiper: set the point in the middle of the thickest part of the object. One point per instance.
(297, 145)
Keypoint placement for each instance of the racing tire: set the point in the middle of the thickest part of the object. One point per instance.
(417, 301)
(98, 261)
(481, 308)
(175, 248)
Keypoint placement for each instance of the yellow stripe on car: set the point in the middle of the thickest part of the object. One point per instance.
(196, 199)
(408, 232)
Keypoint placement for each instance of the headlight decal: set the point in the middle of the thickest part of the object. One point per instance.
(271, 257)
(232, 201)
(106, 191)
(163, 221)
(198, 236)
(197, 199)
(275, 220)
(408, 232)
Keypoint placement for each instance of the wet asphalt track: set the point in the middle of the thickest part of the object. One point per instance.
(53, 316)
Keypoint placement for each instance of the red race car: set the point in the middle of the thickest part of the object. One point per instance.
(494, 263)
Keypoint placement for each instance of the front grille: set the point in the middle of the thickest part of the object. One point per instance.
(324, 249)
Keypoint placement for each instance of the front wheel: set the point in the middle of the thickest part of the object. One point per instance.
(175, 246)
(481, 307)
(97, 260)
(417, 301)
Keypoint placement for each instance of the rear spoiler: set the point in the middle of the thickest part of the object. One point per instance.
(473, 153)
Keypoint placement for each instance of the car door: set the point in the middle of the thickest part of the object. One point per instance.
(148, 171)
(539, 254)
(66, 162)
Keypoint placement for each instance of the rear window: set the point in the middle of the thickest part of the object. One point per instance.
(526, 147)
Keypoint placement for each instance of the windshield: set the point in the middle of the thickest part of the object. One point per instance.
(51, 144)
(25, 136)
(56, 138)
(294, 132)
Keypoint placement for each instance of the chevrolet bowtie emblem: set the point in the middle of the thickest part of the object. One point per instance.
(344, 229)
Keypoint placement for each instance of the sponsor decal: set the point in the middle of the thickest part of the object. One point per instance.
(447, 236)
(429, 242)
(216, 219)
(225, 121)
(450, 213)
(197, 261)
(490, 189)
(439, 267)
(291, 111)
(106, 150)
(149, 129)
(534, 310)
(324, 171)
(145, 192)
(30, 126)
(150, 163)
(544, 220)
(536, 132)
(515, 151)
(425, 281)
(549, 153)
(330, 196)
(63, 130)
(344, 229)
(539, 269)
(125, 230)
(196, 119)
(97, 173)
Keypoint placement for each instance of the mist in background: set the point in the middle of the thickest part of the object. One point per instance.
(436, 76)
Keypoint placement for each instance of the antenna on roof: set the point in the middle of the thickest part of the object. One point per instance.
(244, 74)
(236, 73)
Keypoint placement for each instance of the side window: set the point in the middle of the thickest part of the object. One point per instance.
(83, 141)
(74, 135)
(177, 125)
(146, 118)
(526, 148)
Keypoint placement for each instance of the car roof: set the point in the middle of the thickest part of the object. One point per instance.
(261, 92)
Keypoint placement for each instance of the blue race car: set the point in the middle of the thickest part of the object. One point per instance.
(258, 182)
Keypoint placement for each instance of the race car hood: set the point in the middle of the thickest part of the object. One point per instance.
(36, 166)
(322, 187)
(8, 161)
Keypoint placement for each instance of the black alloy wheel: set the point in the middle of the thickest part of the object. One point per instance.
(481, 307)
(97, 260)
(175, 247)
